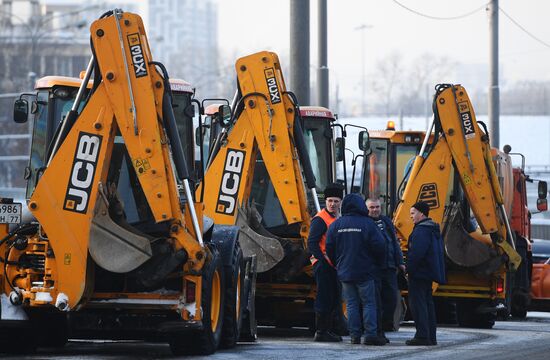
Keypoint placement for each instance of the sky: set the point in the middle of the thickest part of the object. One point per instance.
(247, 26)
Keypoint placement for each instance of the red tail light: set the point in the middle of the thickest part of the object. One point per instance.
(500, 286)
(189, 292)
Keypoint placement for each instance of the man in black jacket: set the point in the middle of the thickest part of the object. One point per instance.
(425, 263)
(393, 262)
(355, 246)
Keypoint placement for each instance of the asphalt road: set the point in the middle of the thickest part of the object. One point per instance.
(528, 339)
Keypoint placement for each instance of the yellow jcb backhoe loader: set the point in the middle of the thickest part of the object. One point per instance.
(456, 176)
(259, 157)
(114, 249)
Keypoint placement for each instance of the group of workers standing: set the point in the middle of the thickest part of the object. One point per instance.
(358, 255)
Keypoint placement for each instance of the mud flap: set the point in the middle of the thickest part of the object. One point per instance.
(113, 247)
(268, 250)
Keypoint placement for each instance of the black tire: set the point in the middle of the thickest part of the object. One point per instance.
(445, 310)
(521, 300)
(467, 316)
(234, 299)
(249, 328)
(52, 326)
(206, 340)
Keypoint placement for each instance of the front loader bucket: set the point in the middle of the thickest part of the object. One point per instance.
(465, 250)
(268, 250)
(113, 247)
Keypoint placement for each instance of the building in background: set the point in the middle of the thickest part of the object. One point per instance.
(183, 35)
(40, 39)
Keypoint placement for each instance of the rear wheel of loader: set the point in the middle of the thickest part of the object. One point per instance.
(206, 340)
(468, 316)
(234, 297)
(52, 327)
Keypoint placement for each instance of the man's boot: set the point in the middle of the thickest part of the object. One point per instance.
(322, 334)
(339, 324)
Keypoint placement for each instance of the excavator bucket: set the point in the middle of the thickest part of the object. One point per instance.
(465, 250)
(113, 247)
(268, 250)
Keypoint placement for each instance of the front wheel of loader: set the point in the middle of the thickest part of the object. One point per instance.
(234, 297)
(470, 313)
(206, 340)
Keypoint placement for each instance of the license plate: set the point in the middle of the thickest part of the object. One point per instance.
(10, 213)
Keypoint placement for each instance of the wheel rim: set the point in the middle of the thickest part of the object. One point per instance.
(215, 301)
(238, 296)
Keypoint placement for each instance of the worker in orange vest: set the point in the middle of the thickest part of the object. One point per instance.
(328, 296)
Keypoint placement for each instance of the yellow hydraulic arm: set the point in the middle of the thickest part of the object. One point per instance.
(71, 199)
(460, 144)
(266, 123)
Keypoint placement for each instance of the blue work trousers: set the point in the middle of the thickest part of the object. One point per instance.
(361, 295)
(422, 308)
(388, 296)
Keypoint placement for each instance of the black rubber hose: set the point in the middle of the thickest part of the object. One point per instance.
(301, 144)
(171, 127)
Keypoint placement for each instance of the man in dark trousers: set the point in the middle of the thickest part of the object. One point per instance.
(328, 289)
(393, 262)
(355, 245)
(425, 263)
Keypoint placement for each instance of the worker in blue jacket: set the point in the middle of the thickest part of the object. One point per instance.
(355, 245)
(393, 262)
(425, 263)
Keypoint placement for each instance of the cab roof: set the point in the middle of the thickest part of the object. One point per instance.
(317, 111)
(47, 82)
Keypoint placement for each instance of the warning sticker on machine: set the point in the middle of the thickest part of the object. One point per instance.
(141, 166)
(467, 120)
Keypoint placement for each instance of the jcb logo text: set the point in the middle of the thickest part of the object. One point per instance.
(137, 55)
(428, 194)
(231, 180)
(467, 121)
(274, 94)
(82, 173)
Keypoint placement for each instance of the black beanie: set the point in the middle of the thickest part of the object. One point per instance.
(334, 190)
(422, 207)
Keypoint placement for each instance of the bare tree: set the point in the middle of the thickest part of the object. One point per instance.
(388, 72)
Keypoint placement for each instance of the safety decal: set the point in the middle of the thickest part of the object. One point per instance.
(83, 171)
(141, 166)
(138, 60)
(274, 93)
(428, 194)
(231, 180)
(467, 120)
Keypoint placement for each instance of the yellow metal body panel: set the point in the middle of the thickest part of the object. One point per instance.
(429, 179)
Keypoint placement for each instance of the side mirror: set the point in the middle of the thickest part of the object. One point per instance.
(339, 148)
(542, 205)
(21, 111)
(364, 140)
(224, 115)
(542, 189)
